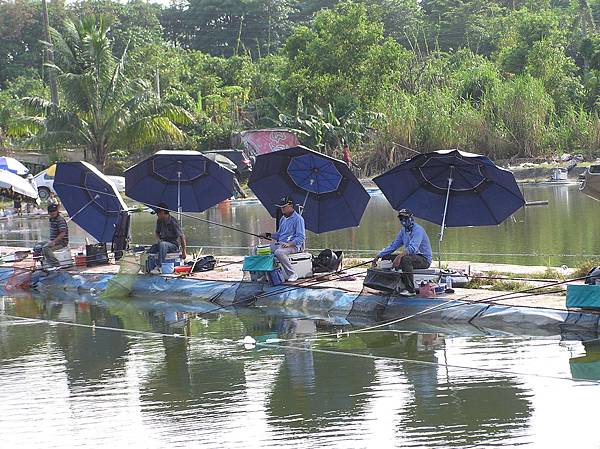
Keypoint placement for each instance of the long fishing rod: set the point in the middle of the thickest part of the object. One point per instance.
(170, 210)
(309, 282)
(210, 222)
(268, 344)
(441, 308)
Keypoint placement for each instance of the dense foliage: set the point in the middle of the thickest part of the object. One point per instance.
(507, 78)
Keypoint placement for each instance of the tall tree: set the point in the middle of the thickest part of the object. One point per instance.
(101, 108)
(230, 27)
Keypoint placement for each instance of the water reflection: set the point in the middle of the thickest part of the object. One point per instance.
(587, 366)
(564, 230)
(207, 390)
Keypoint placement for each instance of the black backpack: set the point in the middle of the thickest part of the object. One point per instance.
(327, 261)
(205, 263)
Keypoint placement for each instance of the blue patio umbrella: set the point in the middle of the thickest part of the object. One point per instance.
(90, 198)
(329, 194)
(452, 188)
(186, 181)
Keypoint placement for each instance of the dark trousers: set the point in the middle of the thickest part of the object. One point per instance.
(162, 249)
(407, 264)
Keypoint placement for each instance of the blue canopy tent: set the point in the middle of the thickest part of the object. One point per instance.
(186, 181)
(452, 188)
(329, 195)
(90, 198)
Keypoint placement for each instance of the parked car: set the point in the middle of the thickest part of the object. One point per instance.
(239, 158)
(45, 182)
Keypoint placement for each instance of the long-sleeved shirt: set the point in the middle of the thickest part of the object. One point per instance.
(414, 242)
(291, 229)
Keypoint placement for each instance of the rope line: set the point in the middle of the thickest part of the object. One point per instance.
(275, 345)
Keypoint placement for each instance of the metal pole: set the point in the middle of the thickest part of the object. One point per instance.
(179, 197)
(444, 219)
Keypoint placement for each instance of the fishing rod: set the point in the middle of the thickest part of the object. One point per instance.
(440, 307)
(170, 210)
(309, 282)
(184, 214)
(271, 344)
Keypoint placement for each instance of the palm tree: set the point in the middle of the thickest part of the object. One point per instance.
(100, 107)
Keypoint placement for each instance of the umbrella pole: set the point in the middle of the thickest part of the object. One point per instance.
(444, 220)
(304, 204)
(179, 197)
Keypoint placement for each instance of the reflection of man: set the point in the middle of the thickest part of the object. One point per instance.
(59, 235)
(168, 232)
(290, 237)
(416, 254)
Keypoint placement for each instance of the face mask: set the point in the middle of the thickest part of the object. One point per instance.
(408, 223)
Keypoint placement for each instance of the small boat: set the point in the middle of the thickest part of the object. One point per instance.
(590, 182)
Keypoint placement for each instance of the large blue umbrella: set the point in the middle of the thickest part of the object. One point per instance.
(329, 194)
(186, 181)
(90, 198)
(452, 188)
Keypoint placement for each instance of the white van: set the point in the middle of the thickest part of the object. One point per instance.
(45, 182)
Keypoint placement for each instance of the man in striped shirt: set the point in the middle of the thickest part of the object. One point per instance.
(59, 235)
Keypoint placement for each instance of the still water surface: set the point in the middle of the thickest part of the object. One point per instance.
(564, 232)
(94, 373)
(88, 372)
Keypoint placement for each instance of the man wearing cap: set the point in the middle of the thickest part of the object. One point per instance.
(59, 235)
(416, 254)
(289, 239)
(167, 233)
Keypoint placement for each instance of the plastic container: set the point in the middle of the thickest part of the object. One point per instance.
(183, 269)
(263, 250)
(80, 260)
(167, 268)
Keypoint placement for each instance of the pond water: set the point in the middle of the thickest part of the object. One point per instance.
(81, 371)
(563, 232)
(85, 372)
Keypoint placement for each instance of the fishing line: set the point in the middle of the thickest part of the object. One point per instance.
(276, 345)
(439, 308)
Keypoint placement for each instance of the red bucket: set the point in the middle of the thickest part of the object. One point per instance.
(80, 261)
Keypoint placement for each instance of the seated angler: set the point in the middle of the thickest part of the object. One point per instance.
(59, 236)
(167, 233)
(416, 254)
(290, 237)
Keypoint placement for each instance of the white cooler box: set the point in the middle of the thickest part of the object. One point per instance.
(302, 264)
(64, 258)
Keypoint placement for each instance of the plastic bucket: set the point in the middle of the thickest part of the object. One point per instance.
(263, 250)
(167, 268)
(80, 260)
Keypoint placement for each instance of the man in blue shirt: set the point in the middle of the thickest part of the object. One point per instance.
(289, 239)
(416, 254)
